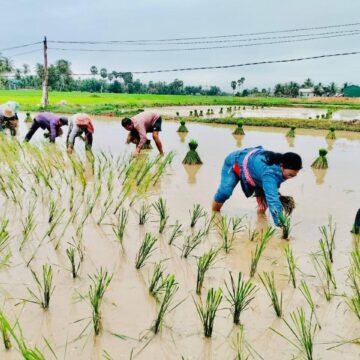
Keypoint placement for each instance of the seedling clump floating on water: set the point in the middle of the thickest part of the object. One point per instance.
(239, 129)
(331, 134)
(291, 132)
(321, 162)
(192, 157)
(146, 248)
(208, 311)
(240, 295)
(268, 281)
(204, 262)
(182, 128)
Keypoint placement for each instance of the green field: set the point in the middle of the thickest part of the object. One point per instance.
(116, 103)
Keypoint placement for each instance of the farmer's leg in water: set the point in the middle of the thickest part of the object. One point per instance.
(74, 131)
(88, 140)
(227, 185)
(155, 131)
(34, 127)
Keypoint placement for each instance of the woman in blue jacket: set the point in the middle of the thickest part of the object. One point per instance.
(257, 168)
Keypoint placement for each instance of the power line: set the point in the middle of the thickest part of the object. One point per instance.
(218, 41)
(25, 53)
(21, 46)
(205, 48)
(208, 37)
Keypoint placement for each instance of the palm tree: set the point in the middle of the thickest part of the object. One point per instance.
(103, 73)
(308, 83)
(233, 85)
(110, 77)
(241, 82)
(94, 70)
(6, 65)
(26, 69)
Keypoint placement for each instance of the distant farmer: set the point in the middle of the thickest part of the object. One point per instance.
(258, 171)
(8, 117)
(80, 125)
(139, 125)
(47, 121)
(356, 227)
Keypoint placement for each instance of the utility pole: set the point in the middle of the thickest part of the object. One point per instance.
(45, 89)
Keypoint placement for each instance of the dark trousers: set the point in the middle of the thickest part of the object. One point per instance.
(34, 127)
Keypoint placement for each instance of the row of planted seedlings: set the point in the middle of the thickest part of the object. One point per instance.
(54, 199)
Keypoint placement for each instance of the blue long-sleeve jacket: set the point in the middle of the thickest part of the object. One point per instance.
(48, 120)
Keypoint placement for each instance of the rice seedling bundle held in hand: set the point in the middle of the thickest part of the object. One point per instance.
(321, 162)
(288, 203)
(192, 157)
(182, 128)
(285, 224)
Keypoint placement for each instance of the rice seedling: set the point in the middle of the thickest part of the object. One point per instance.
(5, 334)
(331, 134)
(253, 234)
(308, 297)
(119, 228)
(191, 242)
(74, 257)
(28, 226)
(204, 263)
(163, 211)
(192, 157)
(145, 250)
(288, 204)
(104, 211)
(354, 276)
(268, 281)
(239, 129)
(285, 224)
(176, 232)
(208, 311)
(208, 223)
(291, 261)
(303, 330)
(45, 287)
(242, 348)
(255, 257)
(228, 228)
(170, 289)
(321, 162)
(144, 213)
(196, 213)
(328, 235)
(291, 132)
(182, 128)
(158, 280)
(52, 210)
(4, 239)
(100, 282)
(240, 295)
(54, 223)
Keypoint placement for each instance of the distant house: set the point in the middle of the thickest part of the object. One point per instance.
(352, 91)
(306, 93)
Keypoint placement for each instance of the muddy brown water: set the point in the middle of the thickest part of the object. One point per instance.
(129, 310)
(266, 112)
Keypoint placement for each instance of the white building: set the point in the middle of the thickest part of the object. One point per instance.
(306, 93)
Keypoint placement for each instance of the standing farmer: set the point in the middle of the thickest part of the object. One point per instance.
(140, 124)
(80, 124)
(257, 168)
(8, 117)
(49, 121)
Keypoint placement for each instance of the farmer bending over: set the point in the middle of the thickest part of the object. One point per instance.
(80, 124)
(257, 168)
(8, 117)
(49, 121)
(145, 122)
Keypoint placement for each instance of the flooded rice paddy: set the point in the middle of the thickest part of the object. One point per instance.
(128, 311)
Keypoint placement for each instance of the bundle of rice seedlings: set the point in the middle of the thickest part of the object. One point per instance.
(208, 311)
(221, 111)
(285, 224)
(239, 129)
(170, 289)
(303, 330)
(288, 203)
(191, 242)
(321, 161)
(291, 132)
(75, 261)
(182, 128)
(44, 287)
(176, 232)
(147, 145)
(291, 261)
(190, 113)
(328, 236)
(163, 211)
(119, 228)
(28, 118)
(331, 134)
(204, 262)
(196, 113)
(196, 213)
(145, 250)
(100, 282)
(192, 157)
(201, 113)
(240, 295)
(268, 281)
(255, 257)
(308, 297)
(144, 213)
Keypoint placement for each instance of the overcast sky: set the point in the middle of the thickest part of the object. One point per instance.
(28, 21)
